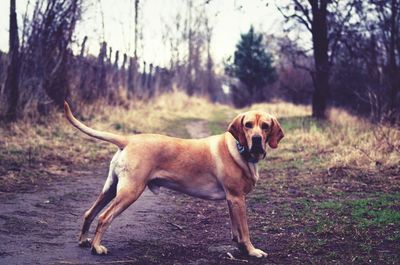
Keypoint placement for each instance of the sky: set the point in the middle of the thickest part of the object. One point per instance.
(229, 19)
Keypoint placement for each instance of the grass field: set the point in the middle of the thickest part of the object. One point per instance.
(329, 194)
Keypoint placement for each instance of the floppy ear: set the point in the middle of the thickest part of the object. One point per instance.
(236, 129)
(276, 134)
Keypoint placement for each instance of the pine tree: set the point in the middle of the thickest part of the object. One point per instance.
(252, 65)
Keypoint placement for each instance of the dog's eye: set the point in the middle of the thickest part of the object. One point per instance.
(264, 126)
(248, 125)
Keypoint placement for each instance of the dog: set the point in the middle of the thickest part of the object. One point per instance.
(219, 167)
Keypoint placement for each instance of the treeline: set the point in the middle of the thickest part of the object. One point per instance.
(354, 58)
(41, 70)
(340, 53)
(346, 54)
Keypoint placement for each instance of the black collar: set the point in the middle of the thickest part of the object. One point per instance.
(244, 152)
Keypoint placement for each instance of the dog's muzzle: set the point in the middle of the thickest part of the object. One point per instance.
(256, 147)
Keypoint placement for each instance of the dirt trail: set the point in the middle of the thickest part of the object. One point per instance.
(197, 129)
(42, 227)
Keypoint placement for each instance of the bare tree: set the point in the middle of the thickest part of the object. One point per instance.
(209, 63)
(371, 52)
(136, 27)
(314, 15)
(190, 48)
(386, 31)
(115, 70)
(102, 73)
(393, 67)
(46, 53)
(13, 70)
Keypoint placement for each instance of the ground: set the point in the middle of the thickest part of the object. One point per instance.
(314, 204)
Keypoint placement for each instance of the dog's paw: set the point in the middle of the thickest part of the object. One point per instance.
(99, 250)
(255, 252)
(86, 243)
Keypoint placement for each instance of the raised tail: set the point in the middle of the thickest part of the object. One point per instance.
(118, 140)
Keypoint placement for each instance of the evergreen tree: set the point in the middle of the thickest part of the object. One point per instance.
(252, 65)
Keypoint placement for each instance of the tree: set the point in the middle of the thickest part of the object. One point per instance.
(389, 18)
(47, 53)
(320, 45)
(136, 27)
(325, 20)
(366, 71)
(13, 71)
(252, 65)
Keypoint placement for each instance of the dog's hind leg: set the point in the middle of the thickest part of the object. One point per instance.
(107, 194)
(126, 195)
(102, 200)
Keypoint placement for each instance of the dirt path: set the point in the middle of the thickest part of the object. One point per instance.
(42, 227)
(197, 129)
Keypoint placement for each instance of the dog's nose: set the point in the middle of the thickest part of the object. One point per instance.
(257, 147)
(256, 140)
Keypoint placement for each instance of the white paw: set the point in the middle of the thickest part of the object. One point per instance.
(255, 252)
(99, 250)
(86, 243)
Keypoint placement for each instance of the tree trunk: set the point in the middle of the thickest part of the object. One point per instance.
(83, 47)
(102, 73)
(189, 84)
(136, 27)
(132, 85)
(84, 70)
(13, 71)
(116, 71)
(393, 69)
(150, 78)
(321, 59)
(123, 72)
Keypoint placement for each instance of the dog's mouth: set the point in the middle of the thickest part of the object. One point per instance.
(259, 156)
(257, 151)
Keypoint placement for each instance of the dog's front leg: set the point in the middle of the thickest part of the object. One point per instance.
(234, 225)
(240, 229)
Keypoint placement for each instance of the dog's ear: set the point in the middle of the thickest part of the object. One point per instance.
(276, 134)
(236, 129)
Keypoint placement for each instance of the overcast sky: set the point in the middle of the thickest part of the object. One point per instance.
(229, 18)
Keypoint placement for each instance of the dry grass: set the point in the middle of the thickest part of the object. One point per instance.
(362, 144)
(283, 109)
(152, 116)
(344, 141)
(31, 151)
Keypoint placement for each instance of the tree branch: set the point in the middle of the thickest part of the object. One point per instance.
(297, 17)
(304, 10)
(338, 34)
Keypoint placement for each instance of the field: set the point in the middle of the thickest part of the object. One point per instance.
(329, 194)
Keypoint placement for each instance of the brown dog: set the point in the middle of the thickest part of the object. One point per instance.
(215, 168)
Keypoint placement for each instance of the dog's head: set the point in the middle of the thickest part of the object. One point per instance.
(253, 129)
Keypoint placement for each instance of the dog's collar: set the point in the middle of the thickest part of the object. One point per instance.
(244, 152)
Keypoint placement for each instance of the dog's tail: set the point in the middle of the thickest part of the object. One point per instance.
(118, 140)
